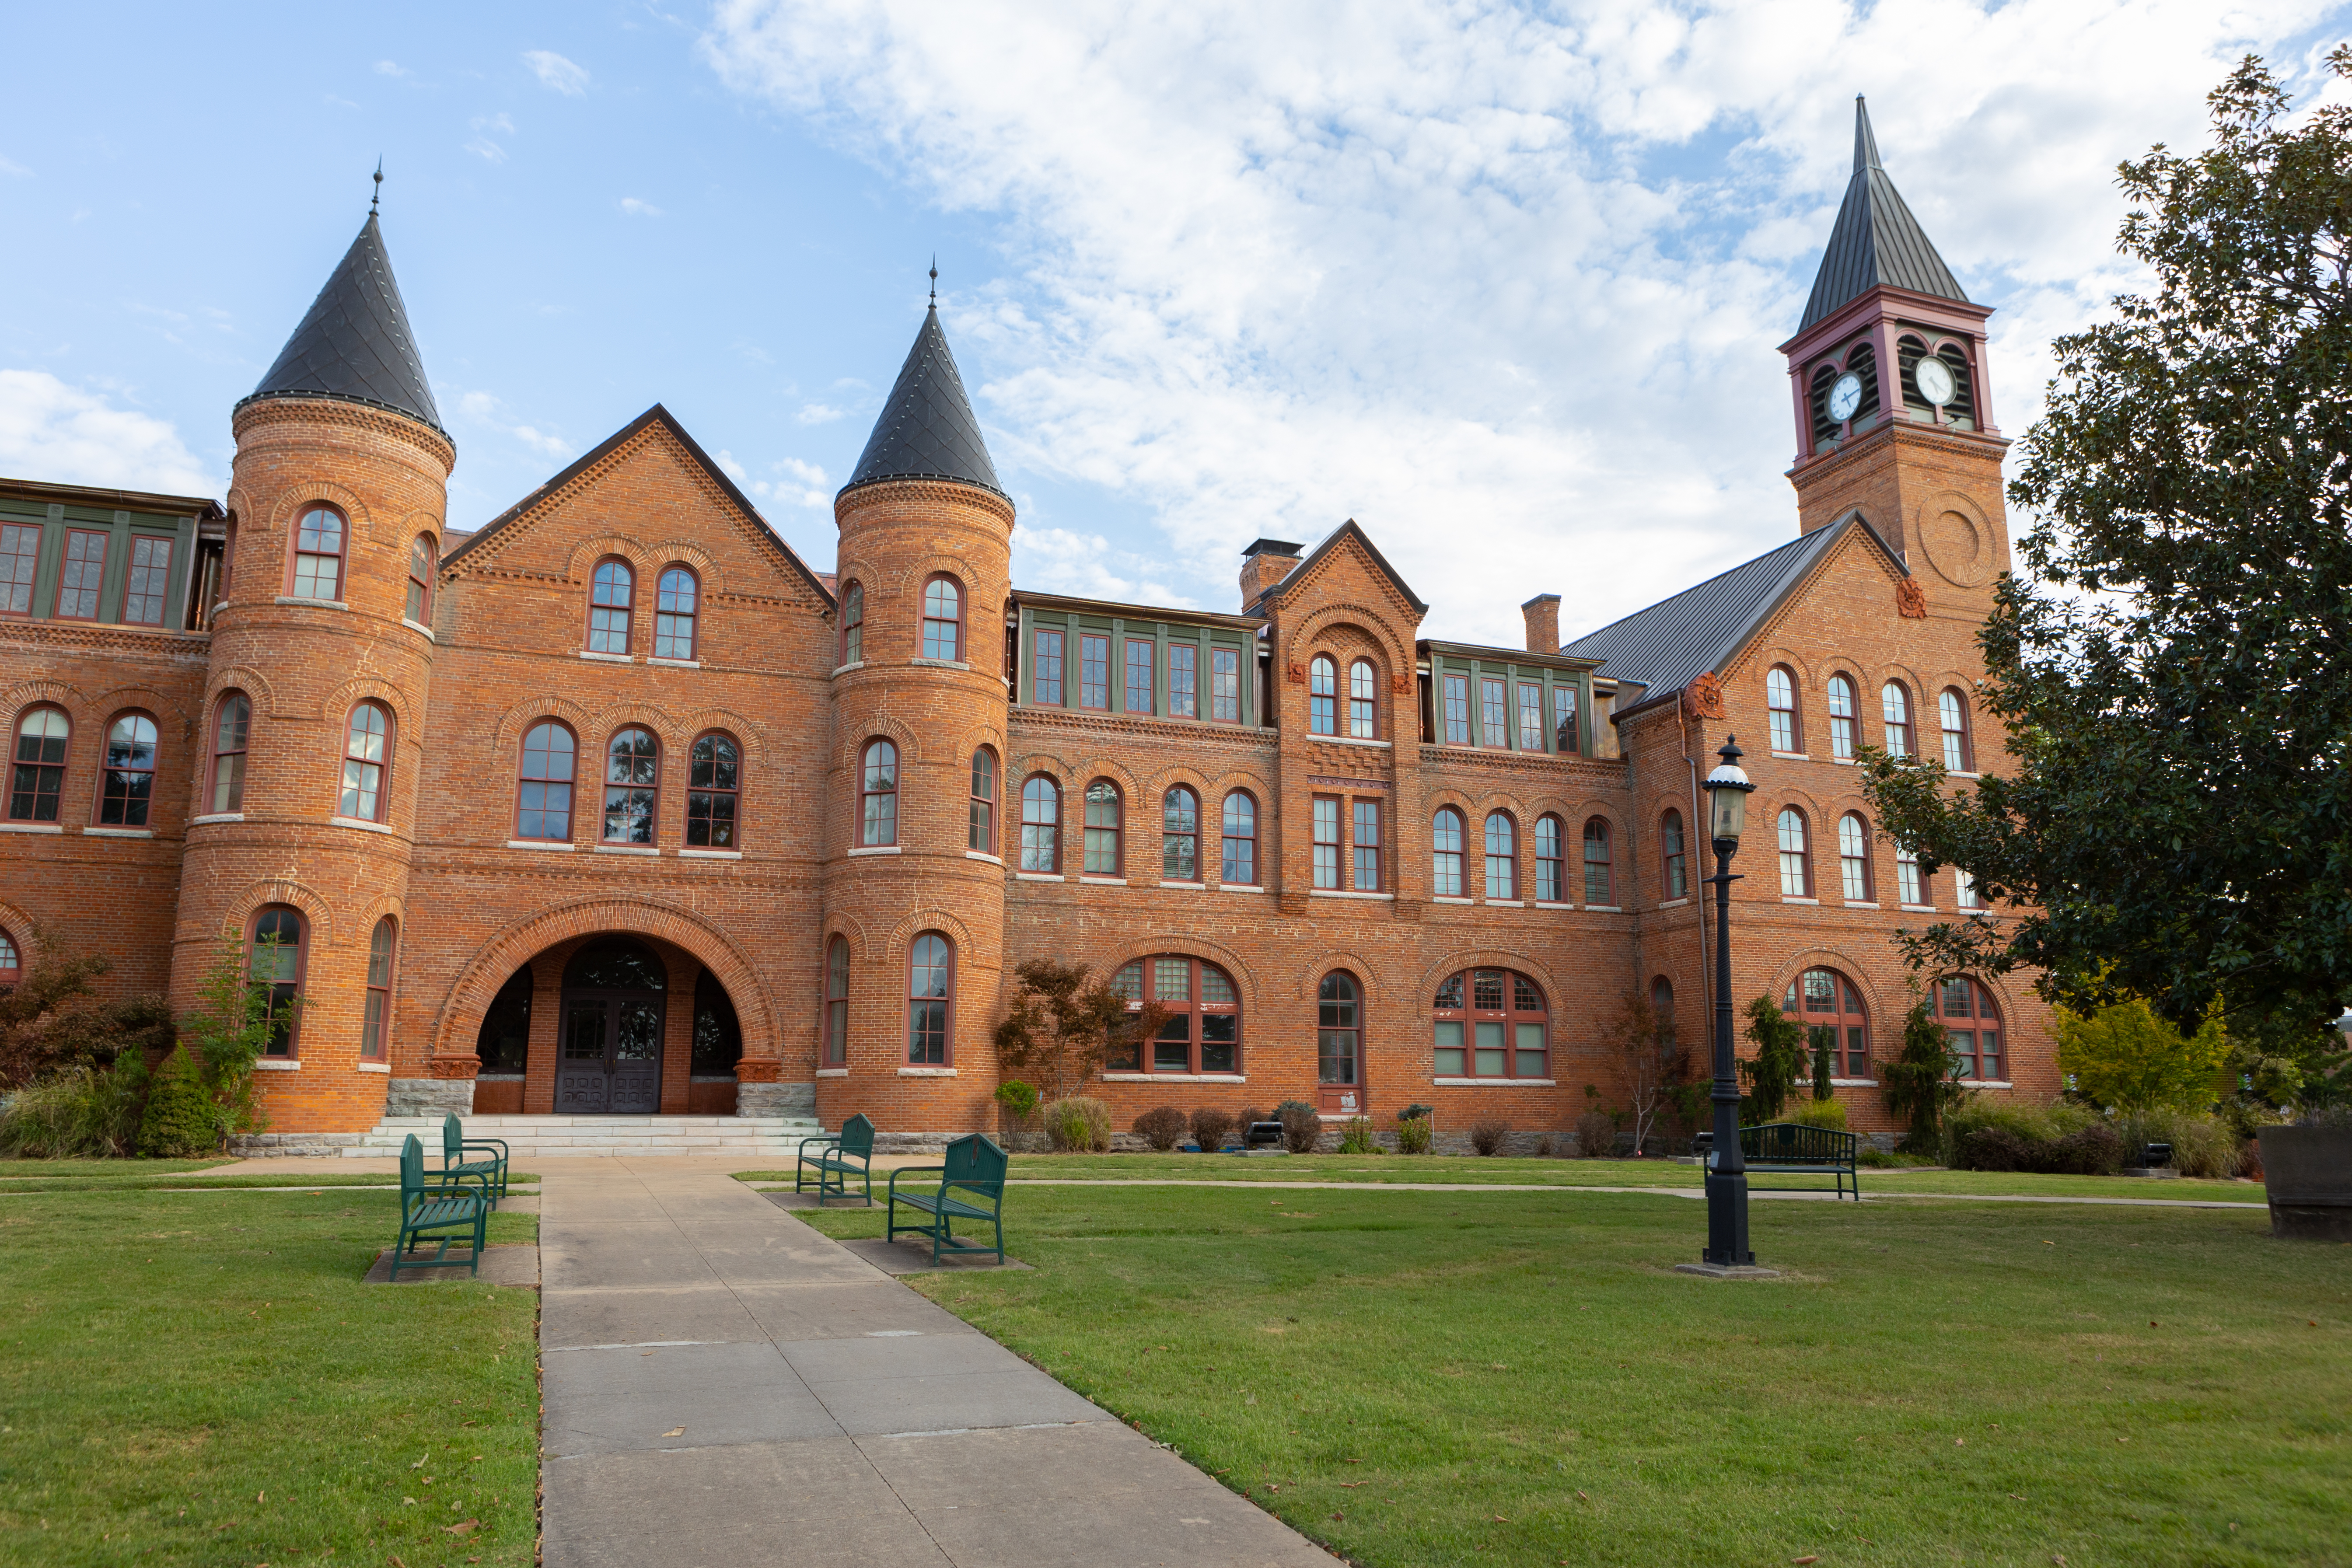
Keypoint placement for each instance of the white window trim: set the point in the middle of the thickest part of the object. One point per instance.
(1195, 887)
(32, 828)
(926, 1072)
(1506, 903)
(277, 1064)
(1175, 1077)
(1496, 1082)
(1352, 741)
(982, 855)
(218, 816)
(876, 850)
(426, 631)
(562, 846)
(595, 657)
(833, 1072)
(1034, 875)
(628, 849)
(375, 1067)
(674, 663)
(940, 663)
(1449, 898)
(314, 604)
(1103, 881)
(1240, 886)
(362, 824)
(710, 854)
(120, 832)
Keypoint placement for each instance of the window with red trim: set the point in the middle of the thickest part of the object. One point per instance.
(677, 602)
(1502, 856)
(1600, 879)
(20, 562)
(1142, 687)
(1831, 1008)
(1237, 863)
(1224, 685)
(853, 624)
(1203, 1032)
(1972, 1028)
(1364, 844)
(1780, 708)
(80, 575)
(1322, 695)
(318, 538)
(148, 583)
(930, 1001)
(943, 618)
(1531, 716)
(376, 1030)
(1183, 681)
(36, 775)
(1363, 701)
(612, 600)
(418, 606)
(231, 722)
(982, 835)
(1796, 855)
(714, 784)
(1551, 860)
(1446, 832)
(632, 786)
(1041, 825)
(12, 963)
(1045, 669)
(1094, 671)
(878, 795)
(544, 790)
(1180, 835)
(836, 1002)
(367, 763)
(127, 787)
(281, 947)
(1104, 829)
(1494, 714)
(1491, 1022)
(1338, 1028)
(1676, 855)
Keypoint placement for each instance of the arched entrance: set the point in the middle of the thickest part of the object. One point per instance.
(614, 1012)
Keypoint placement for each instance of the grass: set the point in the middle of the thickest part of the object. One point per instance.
(1471, 1170)
(11, 1168)
(192, 1382)
(1502, 1378)
(95, 1177)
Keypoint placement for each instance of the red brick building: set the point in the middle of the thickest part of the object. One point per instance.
(617, 806)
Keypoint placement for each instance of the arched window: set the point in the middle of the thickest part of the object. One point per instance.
(1853, 858)
(1796, 860)
(1363, 701)
(1238, 864)
(280, 944)
(1842, 712)
(12, 963)
(878, 795)
(1674, 854)
(1551, 860)
(1502, 857)
(1322, 695)
(1103, 813)
(853, 624)
(231, 720)
(676, 599)
(367, 753)
(1600, 881)
(1180, 835)
(611, 599)
(1445, 836)
(1972, 1028)
(836, 1002)
(1492, 1023)
(930, 1001)
(1339, 1030)
(36, 782)
(1953, 709)
(714, 784)
(1041, 825)
(632, 786)
(543, 795)
(1203, 1032)
(419, 606)
(942, 619)
(318, 554)
(1909, 886)
(127, 788)
(375, 1029)
(1780, 708)
(1832, 1011)
(1895, 702)
(982, 830)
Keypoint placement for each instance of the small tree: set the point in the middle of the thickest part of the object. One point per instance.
(55, 1018)
(1824, 1038)
(233, 1022)
(1063, 1028)
(2123, 1058)
(1920, 1087)
(1778, 1062)
(1642, 1038)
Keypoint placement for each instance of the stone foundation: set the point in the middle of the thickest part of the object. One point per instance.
(429, 1097)
(295, 1145)
(783, 1100)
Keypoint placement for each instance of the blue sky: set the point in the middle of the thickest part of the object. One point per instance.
(1503, 283)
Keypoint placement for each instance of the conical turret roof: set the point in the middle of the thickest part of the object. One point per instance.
(927, 430)
(355, 344)
(1875, 240)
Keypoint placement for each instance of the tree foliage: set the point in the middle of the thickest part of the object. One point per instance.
(2176, 690)
(1063, 1027)
(226, 1033)
(2123, 1058)
(1652, 1063)
(1920, 1085)
(56, 1019)
(1776, 1066)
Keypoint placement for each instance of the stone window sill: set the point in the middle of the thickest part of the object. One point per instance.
(1854, 1083)
(1604, 909)
(710, 854)
(1447, 899)
(981, 855)
(1349, 893)
(833, 1072)
(1508, 903)
(375, 1067)
(1561, 904)
(1352, 741)
(31, 827)
(926, 1072)
(1038, 875)
(940, 663)
(1792, 899)
(562, 846)
(1917, 909)
(1195, 887)
(362, 823)
(595, 657)
(1494, 1082)
(1845, 761)
(627, 849)
(675, 663)
(313, 604)
(1673, 903)
(1794, 756)
(1104, 881)
(277, 1064)
(1175, 1078)
(218, 816)
(120, 832)
(846, 668)
(420, 628)
(1239, 888)
(1986, 1083)
(876, 850)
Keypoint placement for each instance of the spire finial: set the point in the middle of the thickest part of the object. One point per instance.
(1865, 145)
(935, 280)
(377, 194)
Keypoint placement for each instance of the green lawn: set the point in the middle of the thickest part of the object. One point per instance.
(124, 1177)
(1501, 1378)
(199, 1380)
(11, 1169)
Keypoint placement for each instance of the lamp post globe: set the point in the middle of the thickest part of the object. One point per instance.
(1728, 789)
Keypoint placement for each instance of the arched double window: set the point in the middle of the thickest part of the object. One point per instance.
(1445, 836)
(632, 786)
(678, 600)
(1238, 864)
(318, 538)
(36, 775)
(930, 1001)
(853, 624)
(1180, 835)
(878, 795)
(612, 600)
(1104, 830)
(1041, 825)
(544, 790)
(1322, 695)
(1203, 1032)
(1972, 1028)
(375, 1027)
(1491, 1022)
(1502, 856)
(943, 618)
(1551, 860)
(1339, 1030)
(1599, 874)
(982, 833)
(367, 760)
(1854, 859)
(281, 947)
(418, 607)
(1675, 855)
(1796, 856)
(714, 792)
(1363, 701)
(1841, 715)
(1952, 708)
(1895, 705)
(1832, 1011)
(1780, 709)
(837, 1003)
(127, 789)
(232, 720)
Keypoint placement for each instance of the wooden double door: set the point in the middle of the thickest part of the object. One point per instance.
(614, 1011)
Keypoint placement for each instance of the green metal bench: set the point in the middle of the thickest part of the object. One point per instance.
(972, 1187)
(455, 1146)
(839, 1156)
(439, 1206)
(1793, 1149)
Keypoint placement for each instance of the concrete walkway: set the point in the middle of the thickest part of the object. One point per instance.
(723, 1385)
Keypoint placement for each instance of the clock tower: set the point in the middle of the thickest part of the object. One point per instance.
(1893, 397)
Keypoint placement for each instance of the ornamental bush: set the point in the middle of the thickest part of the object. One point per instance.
(1302, 1129)
(1356, 1137)
(1078, 1125)
(1162, 1127)
(1596, 1136)
(1415, 1131)
(1486, 1134)
(1820, 1113)
(1210, 1126)
(2202, 1146)
(182, 1122)
(80, 1113)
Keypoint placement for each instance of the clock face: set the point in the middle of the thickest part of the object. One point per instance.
(1934, 381)
(1845, 398)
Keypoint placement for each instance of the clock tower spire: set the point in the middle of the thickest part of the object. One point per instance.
(1892, 396)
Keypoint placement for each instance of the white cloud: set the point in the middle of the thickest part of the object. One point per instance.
(498, 123)
(482, 147)
(796, 483)
(489, 411)
(1504, 284)
(819, 414)
(635, 208)
(15, 169)
(391, 68)
(557, 73)
(51, 431)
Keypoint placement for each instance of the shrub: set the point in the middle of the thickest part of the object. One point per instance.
(2124, 1057)
(1020, 1099)
(1356, 1137)
(1251, 1115)
(1162, 1127)
(1820, 1113)
(2057, 1140)
(1872, 1154)
(1413, 1131)
(2202, 1145)
(1920, 1087)
(1078, 1125)
(181, 1121)
(1301, 1127)
(1486, 1134)
(1210, 1126)
(1543, 1147)
(1779, 1061)
(1596, 1136)
(80, 1113)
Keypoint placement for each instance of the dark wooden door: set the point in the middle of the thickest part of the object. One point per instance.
(612, 1053)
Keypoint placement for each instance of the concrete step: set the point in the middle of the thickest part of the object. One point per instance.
(559, 1136)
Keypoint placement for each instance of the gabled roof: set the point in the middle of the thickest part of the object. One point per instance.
(1875, 240)
(927, 430)
(355, 344)
(1348, 530)
(693, 449)
(1674, 641)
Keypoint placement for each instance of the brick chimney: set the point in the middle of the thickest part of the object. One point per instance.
(1543, 623)
(1265, 563)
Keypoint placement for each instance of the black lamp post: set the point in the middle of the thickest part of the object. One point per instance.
(1728, 789)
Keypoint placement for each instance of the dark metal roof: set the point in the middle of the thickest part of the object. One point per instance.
(1875, 239)
(927, 430)
(355, 342)
(1270, 547)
